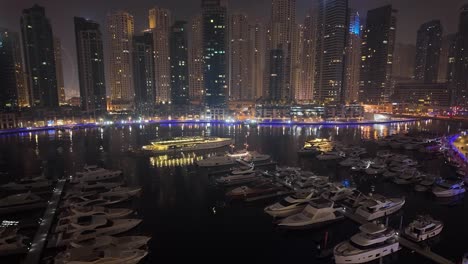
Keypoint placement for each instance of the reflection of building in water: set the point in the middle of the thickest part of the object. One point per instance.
(170, 161)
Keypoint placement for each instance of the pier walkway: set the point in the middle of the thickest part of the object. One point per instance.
(35, 252)
(427, 253)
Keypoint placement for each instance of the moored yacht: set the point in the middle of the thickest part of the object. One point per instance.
(96, 185)
(448, 188)
(27, 184)
(255, 158)
(125, 242)
(10, 240)
(337, 193)
(423, 228)
(111, 255)
(247, 191)
(95, 173)
(319, 212)
(20, 202)
(379, 206)
(332, 155)
(94, 200)
(181, 144)
(290, 205)
(243, 171)
(237, 179)
(216, 161)
(373, 242)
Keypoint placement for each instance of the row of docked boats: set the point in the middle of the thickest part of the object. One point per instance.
(232, 159)
(407, 142)
(90, 222)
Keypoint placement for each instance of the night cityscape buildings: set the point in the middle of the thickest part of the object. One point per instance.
(460, 76)
(428, 48)
(179, 64)
(143, 73)
(59, 70)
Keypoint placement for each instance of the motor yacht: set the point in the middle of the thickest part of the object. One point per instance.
(423, 228)
(255, 158)
(95, 173)
(122, 191)
(379, 206)
(216, 161)
(10, 240)
(319, 212)
(352, 161)
(332, 155)
(110, 255)
(243, 192)
(238, 179)
(355, 200)
(337, 193)
(371, 243)
(308, 150)
(243, 171)
(27, 184)
(94, 200)
(20, 202)
(290, 205)
(384, 154)
(125, 242)
(448, 188)
(86, 186)
(183, 144)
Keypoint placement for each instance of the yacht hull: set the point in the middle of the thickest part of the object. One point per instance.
(419, 238)
(365, 256)
(368, 216)
(312, 225)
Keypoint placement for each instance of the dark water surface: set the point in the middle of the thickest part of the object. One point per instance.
(189, 218)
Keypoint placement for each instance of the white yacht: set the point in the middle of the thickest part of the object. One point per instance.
(319, 212)
(373, 242)
(95, 173)
(332, 155)
(111, 255)
(96, 185)
(94, 200)
(97, 226)
(237, 179)
(20, 202)
(337, 193)
(423, 228)
(355, 200)
(73, 214)
(28, 184)
(378, 206)
(10, 240)
(125, 242)
(216, 161)
(448, 189)
(290, 205)
(117, 191)
(181, 144)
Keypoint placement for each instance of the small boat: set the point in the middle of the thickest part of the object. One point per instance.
(423, 228)
(28, 184)
(373, 242)
(247, 191)
(126, 242)
(238, 179)
(111, 255)
(318, 213)
(448, 188)
(290, 205)
(94, 173)
(379, 206)
(20, 202)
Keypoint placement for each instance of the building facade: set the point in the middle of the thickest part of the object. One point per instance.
(90, 55)
(179, 64)
(460, 76)
(276, 71)
(332, 26)
(306, 90)
(377, 56)
(352, 58)
(214, 22)
(160, 22)
(120, 30)
(403, 62)
(428, 48)
(38, 50)
(143, 73)
(59, 71)
(423, 94)
(257, 61)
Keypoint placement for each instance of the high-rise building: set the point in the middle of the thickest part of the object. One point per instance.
(460, 78)
(59, 71)
(297, 51)
(38, 50)
(179, 64)
(276, 74)
(196, 82)
(214, 50)
(13, 93)
(239, 58)
(306, 91)
(332, 27)
(403, 62)
(90, 54)
(160, 22)
(444, 58)
(120, 29)
(257, 59)
(143, 73)
(280, 32)
(377, 56)
(451, 57)
(352, 58)
(428, 47)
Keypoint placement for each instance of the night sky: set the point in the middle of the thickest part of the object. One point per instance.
(412, 13)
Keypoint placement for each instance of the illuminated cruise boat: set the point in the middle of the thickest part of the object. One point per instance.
(181, 144)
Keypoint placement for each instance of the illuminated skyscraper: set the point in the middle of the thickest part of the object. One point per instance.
(308, 57)
(160, 22)
(428, 47)
(353, 58)
(143, 73)
(196, 82)
(460, 76)
(38, 46)
(377, 56)
(59, 70)
(120, 29)
(257, 61)
(179, 64)
(239, 58)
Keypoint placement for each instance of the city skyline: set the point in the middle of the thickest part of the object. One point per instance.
(61, 16)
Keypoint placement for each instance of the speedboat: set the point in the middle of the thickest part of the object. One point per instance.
(247, 191)
(28, 184)
(20, 202)
(126, 242)
(95, 173)
(10, 239)
(373, 242)
(216, 161)
(238, 179)
(110, 255)
(319, 212)
(337, 193)
(332, 155)
(379, 206)
(423, 228)
(448, 189)
(290, 205)
(75, 213)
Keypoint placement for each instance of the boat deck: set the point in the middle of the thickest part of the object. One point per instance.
(427, 253)
(38, 244)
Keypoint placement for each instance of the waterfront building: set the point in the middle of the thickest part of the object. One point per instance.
(143, 73)
(179, 64)
(428, 48)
